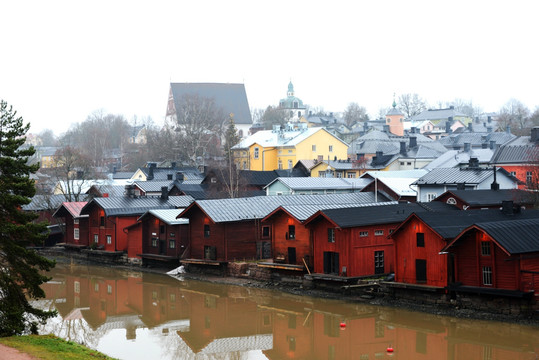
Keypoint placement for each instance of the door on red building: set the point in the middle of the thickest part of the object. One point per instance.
(162, 247)
(291, 255)
(420, 270)
(331, 262)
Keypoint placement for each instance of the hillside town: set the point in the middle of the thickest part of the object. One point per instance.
(435, 205)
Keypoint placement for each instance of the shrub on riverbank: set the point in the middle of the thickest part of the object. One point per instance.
(50, 347)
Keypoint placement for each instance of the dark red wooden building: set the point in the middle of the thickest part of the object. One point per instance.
(486, 199)
(498, 257)
(76, 225)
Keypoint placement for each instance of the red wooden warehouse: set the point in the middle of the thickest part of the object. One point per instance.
(76, 225)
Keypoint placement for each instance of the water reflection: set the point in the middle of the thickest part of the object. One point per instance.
(133, 315)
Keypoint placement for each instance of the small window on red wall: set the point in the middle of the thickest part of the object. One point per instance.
(206, 231)
(265, 232)
(291, 232)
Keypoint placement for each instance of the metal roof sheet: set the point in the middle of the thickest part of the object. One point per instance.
(169, 216)
(515, 236)
(224, 210)
(457, 176)
(489, 197)
(317, 183)
(45, 202)
(124, 206)
(303, 212)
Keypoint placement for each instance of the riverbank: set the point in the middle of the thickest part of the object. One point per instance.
(45, 347)
(377, 297)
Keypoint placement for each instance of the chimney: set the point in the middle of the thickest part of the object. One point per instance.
(365, 126)
(413, 142)
(451, 107)
(173, 165)
(473, 163)
(484, 145)
(470, 128)
(130, 190)
(534, 134)
(379, 154)
(386, 128)
(492, 144)
(489, 119)
(489, 129)
(448, 127)
(461, 186)
(150, 173)
(508, 129)
(403, 148)
(495, 185)
(179, 176)
(164, 193)
(467, 147)
(413, 129)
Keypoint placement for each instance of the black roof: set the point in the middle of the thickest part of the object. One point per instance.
(489, 197)
(372, 215)
(515, 236)
(450, 224)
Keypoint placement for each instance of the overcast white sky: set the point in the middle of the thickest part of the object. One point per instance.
(62, 60)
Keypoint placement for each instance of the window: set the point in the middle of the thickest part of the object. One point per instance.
(402, 163)
(101, 221)
(513, 173)
(391, 231)
(109, 289)
(330, 148)
(378, 232)
(76, 285)
(363, 233)
(76, 221)
(109, 239)
(529, 177)
(408, 163)
(76, 234)
(172, 243)
(485, 248)
(314, 147)
(154, 241)
(96, 238)
(487, 275)
(265, 232)
(256, 153)
(351, 175)
(96, 287)
(290, 165)
(420, 239)
(161, 229)
(331, 235)
(321, 174)
(431, 196)
(291, 232)
(280, 164)
(339, 174)
(378, 262)
(172, 234)
(206, 231)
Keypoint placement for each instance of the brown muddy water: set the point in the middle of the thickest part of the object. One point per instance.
(134, 315)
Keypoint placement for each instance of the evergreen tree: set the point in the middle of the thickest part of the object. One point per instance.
(20, 267)
(231, 137)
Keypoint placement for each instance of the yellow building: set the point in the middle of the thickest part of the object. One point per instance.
(280, 149)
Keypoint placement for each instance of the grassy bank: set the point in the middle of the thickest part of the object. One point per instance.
(50, 347)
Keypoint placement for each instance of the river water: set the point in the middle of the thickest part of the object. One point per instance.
(134, 315)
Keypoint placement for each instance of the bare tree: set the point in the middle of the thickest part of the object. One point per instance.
(515, 115)
(355, 113)
(199, 126)
(411, 104)
(73, 171)
(47, 138)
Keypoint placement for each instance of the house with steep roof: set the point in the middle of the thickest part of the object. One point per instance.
(108, 217)
(291, 241)
(461, 158)
(497, 258)
(225, 230)
(152, 172)
(75, 224)
(281, 149)
(353, 242)
(230, 99)
(445, 120)
(520, 157)
(420, 258)
(473, 140)
(440, 180)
